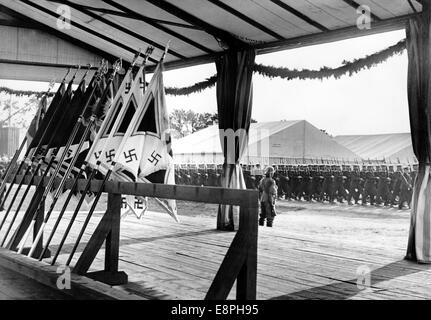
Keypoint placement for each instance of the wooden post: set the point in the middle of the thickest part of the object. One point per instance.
(247, 278)
(108, 230)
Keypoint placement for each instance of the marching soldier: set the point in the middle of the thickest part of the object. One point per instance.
(406, 189)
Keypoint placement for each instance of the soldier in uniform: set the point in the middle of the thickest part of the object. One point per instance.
(342, 192)
(406, 189)
(383, 191)
(331, 189)
(354, 188)
(370, 189)
(268, 195)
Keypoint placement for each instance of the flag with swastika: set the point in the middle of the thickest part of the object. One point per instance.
(103, 151)
(145, 153)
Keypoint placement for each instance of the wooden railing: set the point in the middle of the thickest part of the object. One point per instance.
(240, 262)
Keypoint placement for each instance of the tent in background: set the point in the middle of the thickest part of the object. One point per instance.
(393, 147)
(269, 143)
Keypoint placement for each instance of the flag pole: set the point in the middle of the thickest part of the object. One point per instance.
(98, 136)
(40, 184)
(14, 160)
(94, 117)
(68, 171)
(76, 179)
(29, 149)
(87, 187)
(41, 157)
(99, 192)
(75, 130)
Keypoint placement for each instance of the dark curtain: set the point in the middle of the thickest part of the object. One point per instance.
(234, 103)
(419, 96)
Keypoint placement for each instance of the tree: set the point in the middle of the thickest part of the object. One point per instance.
(17, 111)
(185, 122)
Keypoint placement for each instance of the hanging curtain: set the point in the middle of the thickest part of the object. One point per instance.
(234, 104)
(419, 96)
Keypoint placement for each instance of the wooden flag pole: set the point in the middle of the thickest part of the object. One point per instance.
(37, 150)
(84, 137)
(41, 161)
(63, 180)
(94, 171)
(14, 160)
(74, 132)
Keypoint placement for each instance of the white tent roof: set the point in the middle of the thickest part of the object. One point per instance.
(389, 146)
(289, 139)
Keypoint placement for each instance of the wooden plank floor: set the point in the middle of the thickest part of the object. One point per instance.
(15, 286)
(312, 252)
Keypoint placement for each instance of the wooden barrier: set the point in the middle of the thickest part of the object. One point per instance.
(240, 262)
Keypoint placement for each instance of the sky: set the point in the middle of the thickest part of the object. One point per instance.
(371, 102)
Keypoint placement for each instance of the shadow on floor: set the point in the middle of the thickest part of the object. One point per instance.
(67, 247)
(345, 289)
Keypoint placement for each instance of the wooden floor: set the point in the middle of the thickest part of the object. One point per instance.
(15, 286)
(312, 252)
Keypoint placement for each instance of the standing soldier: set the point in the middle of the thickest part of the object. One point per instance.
(268, 194)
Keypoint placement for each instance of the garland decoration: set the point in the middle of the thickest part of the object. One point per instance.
(197, 87)
(27, 93)
(347, 68)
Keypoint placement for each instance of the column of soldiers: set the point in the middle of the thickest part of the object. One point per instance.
(381, 185)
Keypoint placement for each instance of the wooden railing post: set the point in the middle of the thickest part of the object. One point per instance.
(107, 230)
(247, 277)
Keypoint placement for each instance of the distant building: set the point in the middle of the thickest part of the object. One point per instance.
(9, 141)
(279, 142)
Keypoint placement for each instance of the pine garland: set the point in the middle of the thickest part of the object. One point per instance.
(347, 68)
(197, 87)
(27, 93)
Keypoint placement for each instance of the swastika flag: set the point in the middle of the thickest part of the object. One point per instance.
(145, 154)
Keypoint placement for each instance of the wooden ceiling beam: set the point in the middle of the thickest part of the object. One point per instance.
(356, 5)
(118, 27)
(31, 23)
(221, 35)
(300, 15)
(149, 21)
(84, 28)
(243, 17)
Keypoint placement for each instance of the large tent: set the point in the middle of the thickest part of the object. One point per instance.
(395, 147)
(275, 142)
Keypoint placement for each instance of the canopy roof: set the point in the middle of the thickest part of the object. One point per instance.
(390, 146)
(199, 30)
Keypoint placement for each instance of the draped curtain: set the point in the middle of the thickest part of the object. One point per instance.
(419, 97)
(234, 104)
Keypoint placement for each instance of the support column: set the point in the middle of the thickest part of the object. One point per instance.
(419, 97)
(234, 104)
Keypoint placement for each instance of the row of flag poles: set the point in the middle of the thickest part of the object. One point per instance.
(93, 133)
